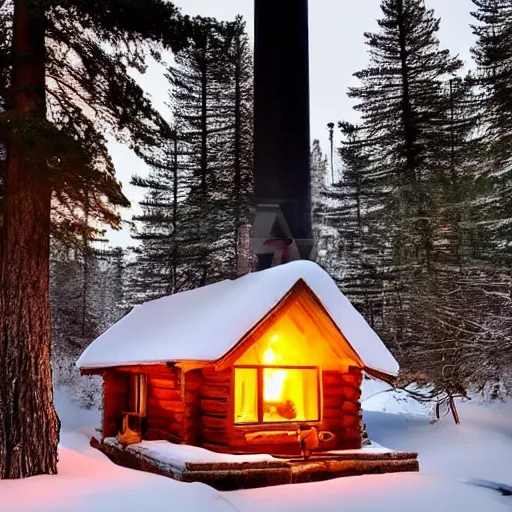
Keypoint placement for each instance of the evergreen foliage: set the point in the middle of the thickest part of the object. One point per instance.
(417, 209)
(493, 57)
(200, 187)
(64, 87)
(87, 297)
(90, 95)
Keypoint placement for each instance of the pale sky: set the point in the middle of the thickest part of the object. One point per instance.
(337, 50)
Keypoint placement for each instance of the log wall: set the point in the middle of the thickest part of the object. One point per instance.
(341, 407)
(216, 418)
(165, 408)
(165, 411)
(195, 408)
(192, 382)
(115, 389)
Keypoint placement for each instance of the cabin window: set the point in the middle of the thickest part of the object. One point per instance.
(246, 395)
(276, 394)
(136, 395)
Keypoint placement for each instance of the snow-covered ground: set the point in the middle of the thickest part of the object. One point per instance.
(480, 448)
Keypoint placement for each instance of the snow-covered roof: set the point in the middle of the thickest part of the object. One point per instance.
(205, 323)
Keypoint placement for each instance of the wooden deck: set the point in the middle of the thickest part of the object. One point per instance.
(228, 476)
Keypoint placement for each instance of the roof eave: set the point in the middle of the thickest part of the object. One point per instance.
(388, 378)
(182, 363)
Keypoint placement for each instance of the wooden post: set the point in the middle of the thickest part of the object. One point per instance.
(453, 408)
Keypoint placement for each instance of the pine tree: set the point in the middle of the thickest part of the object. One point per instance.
(493, 56)
(87, 297)
(318, 164)
(159, 267)
(199, 191)
(360, 222)
(237, 148)
(401, 105)
(417, 182)
(86, 292)
(326, 206)
(65, 87)
(212, 98)
(455, 310)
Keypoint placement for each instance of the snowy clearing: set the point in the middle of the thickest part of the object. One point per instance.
(480, 448)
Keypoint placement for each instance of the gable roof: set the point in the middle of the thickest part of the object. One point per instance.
(206, 323)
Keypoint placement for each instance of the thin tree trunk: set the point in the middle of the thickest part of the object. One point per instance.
(175, 215)
(85, 269)
(413, 170)
(204, 122)
(240, 266)
(453, 408)
(409, 130)
(29, 427)
(204, 161)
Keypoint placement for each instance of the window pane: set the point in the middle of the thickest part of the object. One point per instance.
(246, 395)
(136, 394)
(290, 395)
(133, 393)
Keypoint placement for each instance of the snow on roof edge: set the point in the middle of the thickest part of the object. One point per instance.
(148, 328)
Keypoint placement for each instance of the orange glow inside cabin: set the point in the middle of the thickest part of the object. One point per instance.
(278, 378)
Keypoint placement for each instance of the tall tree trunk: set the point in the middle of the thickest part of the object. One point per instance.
(407, 118)
(204, 123)
(29, 427)
(175, 204)
(238, 154)
(204, 162)
(85, 270)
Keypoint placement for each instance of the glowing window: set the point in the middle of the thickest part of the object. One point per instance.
(276, 394)
(246, 395)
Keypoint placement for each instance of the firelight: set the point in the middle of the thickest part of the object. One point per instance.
(269, 357)
(273, 386)
(273, 379)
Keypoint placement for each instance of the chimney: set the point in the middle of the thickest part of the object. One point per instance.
(282, 223)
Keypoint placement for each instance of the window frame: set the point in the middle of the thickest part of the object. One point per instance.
(260, 401)
(140, 383)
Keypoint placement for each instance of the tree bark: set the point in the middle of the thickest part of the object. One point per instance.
(238, 150)
(453, 408)
(29, 426)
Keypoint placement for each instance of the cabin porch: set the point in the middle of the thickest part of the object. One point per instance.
(232, 472)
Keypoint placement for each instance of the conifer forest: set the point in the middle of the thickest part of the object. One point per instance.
(416, 229)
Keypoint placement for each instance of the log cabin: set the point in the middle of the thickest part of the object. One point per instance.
(271, 363)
